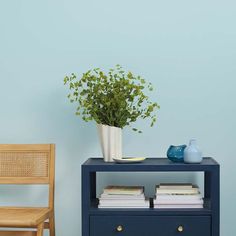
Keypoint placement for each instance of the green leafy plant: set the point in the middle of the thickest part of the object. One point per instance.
(116, 98)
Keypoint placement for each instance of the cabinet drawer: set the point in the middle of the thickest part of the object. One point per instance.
(150, 225)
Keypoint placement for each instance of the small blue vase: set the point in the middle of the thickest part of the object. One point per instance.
(176, 153)
(192, 153)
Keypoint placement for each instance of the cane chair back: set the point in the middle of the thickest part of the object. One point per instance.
(28, 164)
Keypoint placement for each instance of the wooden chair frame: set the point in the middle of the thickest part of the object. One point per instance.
(14, 156)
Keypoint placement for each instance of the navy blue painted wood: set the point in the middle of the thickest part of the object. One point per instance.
(150, 164)
(85, 203)
(212, 191)
(150, 225)
(208, 216)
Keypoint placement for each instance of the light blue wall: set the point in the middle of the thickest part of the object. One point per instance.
(185, 48)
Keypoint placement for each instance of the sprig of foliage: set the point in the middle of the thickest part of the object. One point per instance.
(116, 98)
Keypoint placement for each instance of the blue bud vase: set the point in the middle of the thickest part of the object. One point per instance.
(176, 153)
(192, 153)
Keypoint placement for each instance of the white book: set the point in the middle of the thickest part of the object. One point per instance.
(174, 202)
(179, 196)
(179, 206)
(121, 196)
(177, 191)
(121, 202)
(176, 185)
(124, 204)
(129, 190)
(132, 207)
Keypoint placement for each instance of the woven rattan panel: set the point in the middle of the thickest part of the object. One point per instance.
(24, 164)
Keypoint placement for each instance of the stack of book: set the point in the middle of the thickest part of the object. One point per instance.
(178, 196)
(123, 197)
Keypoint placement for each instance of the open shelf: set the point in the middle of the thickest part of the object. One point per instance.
(94, 210)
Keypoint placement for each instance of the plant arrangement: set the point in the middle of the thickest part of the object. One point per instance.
(116, 98)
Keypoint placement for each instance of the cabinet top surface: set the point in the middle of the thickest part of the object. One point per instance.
(150, 164)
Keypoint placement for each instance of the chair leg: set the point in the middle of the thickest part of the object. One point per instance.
(52, 225)
(40, 229)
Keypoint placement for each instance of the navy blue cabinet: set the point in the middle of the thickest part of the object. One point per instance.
(150, 222)
(150, 225)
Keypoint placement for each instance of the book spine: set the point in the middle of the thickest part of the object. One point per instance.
(177, 191)
(179, 206)
(177, 202)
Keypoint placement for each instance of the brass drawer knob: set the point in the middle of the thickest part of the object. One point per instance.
(119, 228)
(180, 228)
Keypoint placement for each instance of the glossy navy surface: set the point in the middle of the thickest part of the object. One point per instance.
(150, 164)
(150, 225)
(97, 222)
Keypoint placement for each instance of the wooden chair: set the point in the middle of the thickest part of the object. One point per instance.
(28, 164)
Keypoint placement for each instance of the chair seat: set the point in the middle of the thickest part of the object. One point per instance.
(23, 216)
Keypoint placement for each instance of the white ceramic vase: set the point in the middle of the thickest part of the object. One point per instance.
(111, 142)
(192, 153)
